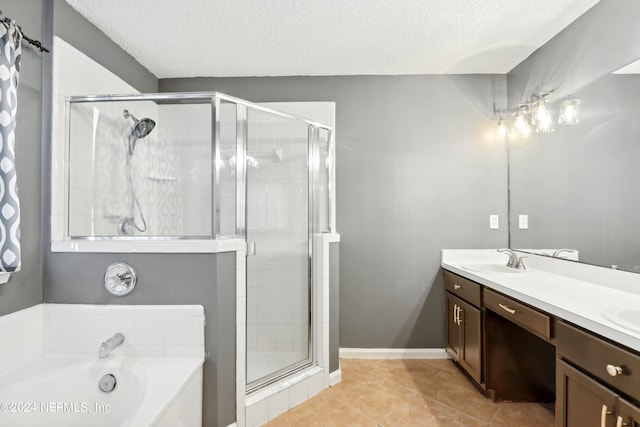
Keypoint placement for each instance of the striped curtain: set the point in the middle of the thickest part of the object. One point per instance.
(10, 39)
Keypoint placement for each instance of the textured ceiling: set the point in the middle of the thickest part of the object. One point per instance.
(190, 38)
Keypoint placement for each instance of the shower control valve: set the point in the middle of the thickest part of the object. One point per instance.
(120, 279)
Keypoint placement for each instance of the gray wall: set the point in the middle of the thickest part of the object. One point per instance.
(24, 289)
(416, 172)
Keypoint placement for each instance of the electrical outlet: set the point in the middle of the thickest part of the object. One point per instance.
(493, 222)
(523, 222)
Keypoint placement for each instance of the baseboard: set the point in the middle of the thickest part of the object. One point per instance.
(335, 377)
(394, 353)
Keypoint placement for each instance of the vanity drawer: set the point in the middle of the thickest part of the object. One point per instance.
(463, 288)
(527, 317)
(594, 354)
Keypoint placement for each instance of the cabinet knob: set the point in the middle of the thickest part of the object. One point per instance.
(456, 286)
(613, 370)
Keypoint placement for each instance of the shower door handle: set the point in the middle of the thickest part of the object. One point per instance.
(251, 248)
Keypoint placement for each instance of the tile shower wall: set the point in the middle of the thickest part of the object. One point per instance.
(98, 135)
(189, 128)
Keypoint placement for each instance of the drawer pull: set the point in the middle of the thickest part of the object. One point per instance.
(614, 371)
(620, 422)
(603, 416)
(456, 286)
(507, 309)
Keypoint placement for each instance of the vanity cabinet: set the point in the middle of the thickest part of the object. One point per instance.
(597, 382)
(464, 323)
(582, 401)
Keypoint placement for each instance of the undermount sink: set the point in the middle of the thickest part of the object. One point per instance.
(625, 318)
(492, 268)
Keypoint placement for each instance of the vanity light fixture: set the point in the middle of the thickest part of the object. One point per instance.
(536, 114)
(569, 112)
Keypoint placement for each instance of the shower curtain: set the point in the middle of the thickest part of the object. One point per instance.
(10, 49)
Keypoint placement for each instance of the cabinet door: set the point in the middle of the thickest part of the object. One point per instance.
(628, 414)
(453, 334)
(581, 401)
(470, 353)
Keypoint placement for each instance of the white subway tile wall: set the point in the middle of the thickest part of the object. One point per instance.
(78, 329)
(158, 331)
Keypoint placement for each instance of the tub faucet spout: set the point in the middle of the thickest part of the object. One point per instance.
(109, 345)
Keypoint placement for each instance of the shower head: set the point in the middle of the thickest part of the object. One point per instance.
(141, 128)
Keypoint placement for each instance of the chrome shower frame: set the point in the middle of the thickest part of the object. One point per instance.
(242, 106)
(242, 109)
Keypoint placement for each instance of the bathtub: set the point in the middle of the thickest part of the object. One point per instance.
(63, 391)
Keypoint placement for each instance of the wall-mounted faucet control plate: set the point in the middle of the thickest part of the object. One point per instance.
(120, 279)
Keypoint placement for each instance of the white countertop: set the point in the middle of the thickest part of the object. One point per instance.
(553, 286)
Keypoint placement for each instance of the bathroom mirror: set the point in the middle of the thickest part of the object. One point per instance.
(579, 184)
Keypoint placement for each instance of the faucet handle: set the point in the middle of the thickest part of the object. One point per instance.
(520, 265)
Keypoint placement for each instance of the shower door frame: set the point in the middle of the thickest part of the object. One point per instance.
(313, 226)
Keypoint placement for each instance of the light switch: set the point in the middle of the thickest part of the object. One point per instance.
(493, 222)
(523, 222)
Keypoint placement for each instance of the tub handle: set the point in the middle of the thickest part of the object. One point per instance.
(120, 279)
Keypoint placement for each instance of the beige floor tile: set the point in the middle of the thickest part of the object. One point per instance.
(423, 412)
(408, 393)
(409, 373)
(455, 390)
(380, 399)
(524, 415)
(321, 411)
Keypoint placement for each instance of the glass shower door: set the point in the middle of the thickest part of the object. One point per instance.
(278, 256)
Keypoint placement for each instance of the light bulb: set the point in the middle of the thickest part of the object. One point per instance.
(569, 112)
(541, 111)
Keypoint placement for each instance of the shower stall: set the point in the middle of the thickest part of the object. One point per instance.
(206, 166)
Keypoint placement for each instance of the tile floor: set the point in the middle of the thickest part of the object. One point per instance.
(406, 393)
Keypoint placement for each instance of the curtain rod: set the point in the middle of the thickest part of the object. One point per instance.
(28, 39)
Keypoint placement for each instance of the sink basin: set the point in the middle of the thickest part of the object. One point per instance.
(493, 268)
(625, 318)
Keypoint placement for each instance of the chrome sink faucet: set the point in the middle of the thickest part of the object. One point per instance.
(558, 252)
(514, 261)
(109, 345)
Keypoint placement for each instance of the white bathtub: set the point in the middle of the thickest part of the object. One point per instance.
(63, 391)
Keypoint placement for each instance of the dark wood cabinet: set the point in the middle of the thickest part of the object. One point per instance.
(628, 414)
(581, 401)
(464, 335)
(596, 381)
(515, 352)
